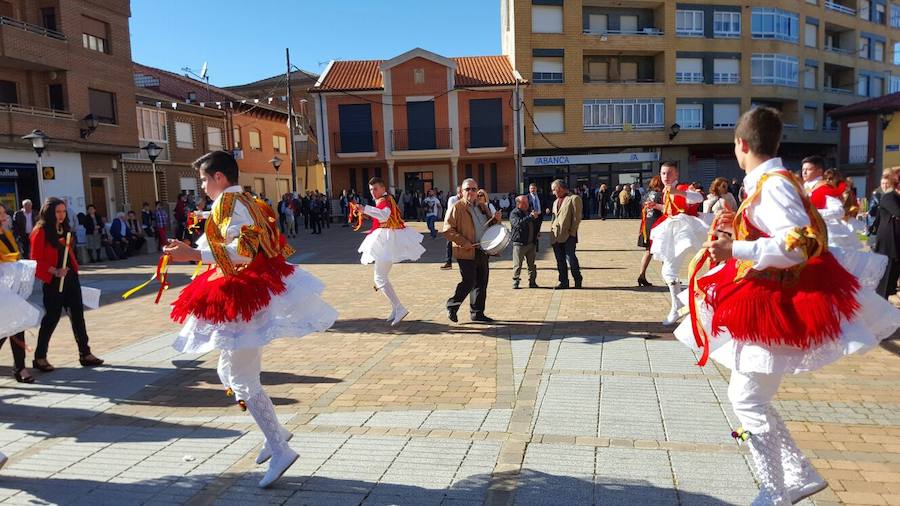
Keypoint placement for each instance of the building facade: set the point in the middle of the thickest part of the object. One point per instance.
(617, 88)
(869, 140)
(310, 173)
(254, 130)
(65, 69)
(420, 121)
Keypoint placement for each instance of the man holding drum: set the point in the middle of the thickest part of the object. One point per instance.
(464, 226)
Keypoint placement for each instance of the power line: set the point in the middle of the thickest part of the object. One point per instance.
(537, 128)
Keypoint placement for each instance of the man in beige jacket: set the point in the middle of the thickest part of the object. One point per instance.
(564, 233)
(464, 225)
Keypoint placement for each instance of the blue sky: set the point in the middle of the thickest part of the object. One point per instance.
(244, 41)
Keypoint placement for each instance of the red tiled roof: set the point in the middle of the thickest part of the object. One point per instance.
(471, 72)
(886, 103)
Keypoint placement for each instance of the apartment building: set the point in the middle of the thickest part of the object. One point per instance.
(65, 69)
(869, 139)
(310, 172)
(254, 129)
(618, 87)
(419, 120)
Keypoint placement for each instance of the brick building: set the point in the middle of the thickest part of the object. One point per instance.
(611, 80)
(65, 68)
(310, 172)
(419, 120)
(869, 139)
(254, 129)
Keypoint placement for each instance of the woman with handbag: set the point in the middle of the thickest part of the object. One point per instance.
(50, 247)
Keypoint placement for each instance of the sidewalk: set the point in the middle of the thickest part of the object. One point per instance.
(572, 397)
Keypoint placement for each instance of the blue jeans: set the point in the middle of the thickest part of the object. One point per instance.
(431, 220)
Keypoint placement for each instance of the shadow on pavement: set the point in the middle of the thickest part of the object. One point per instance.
(534, 488)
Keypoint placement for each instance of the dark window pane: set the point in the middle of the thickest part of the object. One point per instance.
(485, 123)
(8, 93)
(481, 175)
(493, 178)
(355, 121)
(48, 18)
(103, 106)
(57, 100)
(468, 170)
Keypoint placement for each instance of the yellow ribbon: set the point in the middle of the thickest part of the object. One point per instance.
(197, 270)
(161, 268)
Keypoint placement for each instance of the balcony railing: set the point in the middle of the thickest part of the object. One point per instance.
(35, 111)
(726, 78)
(688, 77)
(354, 142)
(858, 154)
(841, 91)
(649, 31)
(419, 139)
(605, 80)
(141, 156)
(830, 127)
(28, 27)
(487, 137)
(839, 8)
(547, 77)
(840, 50)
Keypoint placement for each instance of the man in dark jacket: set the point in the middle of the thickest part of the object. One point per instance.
(524, 240)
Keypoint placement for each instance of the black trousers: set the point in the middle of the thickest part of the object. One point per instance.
(18, 350)
(54, 302)
(449, 251)
(474, 284)
(316, 223)
(565, 252)
(888, 284)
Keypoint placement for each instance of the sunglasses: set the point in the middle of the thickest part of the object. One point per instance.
(470, 189)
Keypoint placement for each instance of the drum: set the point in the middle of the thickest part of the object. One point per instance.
(495, 239)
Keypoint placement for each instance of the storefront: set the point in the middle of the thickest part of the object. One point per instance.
(18, 181)
(590, 170)
(62, 178)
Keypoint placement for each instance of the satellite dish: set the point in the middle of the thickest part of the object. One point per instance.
(203, 70)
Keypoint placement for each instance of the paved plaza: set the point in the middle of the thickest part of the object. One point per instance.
(573, 397)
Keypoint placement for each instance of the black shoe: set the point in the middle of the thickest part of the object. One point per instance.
(578, 282)
(42, 365)
(562, 286)
(642, 281)
(90, 361)
(482, 318)
(515, 285)
(532, 284)
(451, 315)
(446, 267)
(23, 379)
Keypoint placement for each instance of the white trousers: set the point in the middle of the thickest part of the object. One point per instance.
(382, 269)
(670, 268)
(751, 395)
(239, 370)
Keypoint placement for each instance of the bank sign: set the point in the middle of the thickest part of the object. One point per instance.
(644, 156)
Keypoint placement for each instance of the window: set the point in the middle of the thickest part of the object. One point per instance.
(896, 58)
(485, 123)
(255, 140)
(809, 78)
(419, 76)
(184, 135)
(878, 51)
(774, 69)
(864, 48)
(862, 86)
(546, 18)
(628, 71)
(811, 35)
(880, 14)
(876, 86)
(95, 34)
(689, 116)
(727, 24)
(895, 84)
(809, 118)
(57, 97)
(725, 115)
(726, 71)
(689, 23)
(624, 114)
(858, 151)
(598, 23)
(279, 142)
(355, 126)
(151, 123)
(771, 23)
(214, 138)
(8, 92)
(549, 119)
(895, 16)
(628, 24)
(865, 9)
(103, 105)
(547, 70)
(48, 18)
(688, 70)
(236, 134)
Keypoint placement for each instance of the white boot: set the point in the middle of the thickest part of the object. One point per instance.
(765, 447)
(399, 312)
(265, 453)
(3, 460)
(800, 477)
(674, 290)
(260, 407)
(391, 316)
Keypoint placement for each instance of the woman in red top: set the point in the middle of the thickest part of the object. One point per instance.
(48, 241)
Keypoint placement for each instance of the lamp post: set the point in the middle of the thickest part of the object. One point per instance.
(38, 141)
(276, 162)
(153, 152)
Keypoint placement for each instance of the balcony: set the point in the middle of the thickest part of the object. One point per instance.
(603, 20)
(639, 67)
(649, 31)
(355, 144)
(422, 139)
(839, 79)
(491, 139)
(858, 153)
(726, 78)
(35, 46)
(35, 111)
(843, 9)
(689, 77)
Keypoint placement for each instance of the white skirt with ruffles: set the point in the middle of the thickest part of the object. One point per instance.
(294, 313)
(676, 235)
(16, 284)
(391, 245)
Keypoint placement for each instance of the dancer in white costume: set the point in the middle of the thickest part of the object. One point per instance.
(677, 234)
(389, 241)
(16, 314)
(251, 297)
(778, 303)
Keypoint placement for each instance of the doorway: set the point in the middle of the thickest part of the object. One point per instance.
(99, 196)
(418, 182)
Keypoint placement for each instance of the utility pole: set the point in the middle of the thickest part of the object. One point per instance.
(287, 54)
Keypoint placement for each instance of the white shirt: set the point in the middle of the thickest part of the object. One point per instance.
(433, 206)
(239, 218)
(809, 185)
(777, 211)
(29, 221)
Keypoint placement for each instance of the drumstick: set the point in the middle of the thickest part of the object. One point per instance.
(65, 259)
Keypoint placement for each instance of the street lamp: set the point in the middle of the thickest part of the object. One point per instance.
(90, 123)
(673, 130)
(38, 141)
(153, 152)
(276, 162)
